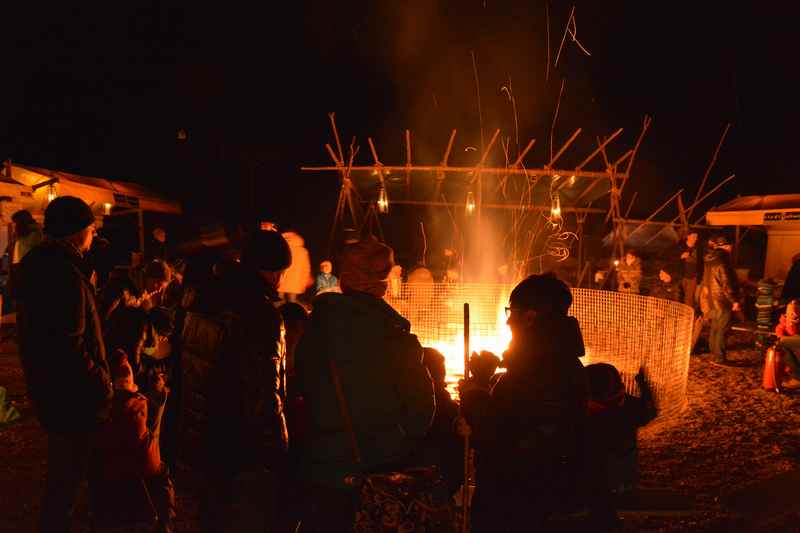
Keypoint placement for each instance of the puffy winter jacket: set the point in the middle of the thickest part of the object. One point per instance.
(388, 391)
(231, 380)
(126, 449)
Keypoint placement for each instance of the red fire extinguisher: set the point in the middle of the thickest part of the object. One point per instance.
(774, 368)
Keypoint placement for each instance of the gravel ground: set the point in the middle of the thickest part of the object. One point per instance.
(733, 435)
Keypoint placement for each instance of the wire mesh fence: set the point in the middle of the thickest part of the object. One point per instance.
(626, 330)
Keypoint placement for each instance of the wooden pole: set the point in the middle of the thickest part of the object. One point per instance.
(465, 485)
(513, 207)
(657, 211)
(336, 135)
(449, 148)
(466, 170)
(710, 166)
(599, 149)
(563, 148)
(706, 195)
(523, 153)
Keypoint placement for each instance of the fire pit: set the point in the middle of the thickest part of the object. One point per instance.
(626, 330)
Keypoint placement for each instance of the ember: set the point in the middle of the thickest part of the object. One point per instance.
(626, 330)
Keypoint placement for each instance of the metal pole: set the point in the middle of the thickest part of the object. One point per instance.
(465, 486)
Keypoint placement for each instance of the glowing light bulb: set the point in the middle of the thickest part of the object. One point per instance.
(383, 200)
(51, 192)
(107, 208)
(470, 205)
(555, 208)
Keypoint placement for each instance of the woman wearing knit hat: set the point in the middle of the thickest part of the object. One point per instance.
(385, 402)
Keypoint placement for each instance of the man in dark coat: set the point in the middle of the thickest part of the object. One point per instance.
(532, 421)
(387, 391)
(62, 352)
(234, 430)
(718, 294)
(692, 264)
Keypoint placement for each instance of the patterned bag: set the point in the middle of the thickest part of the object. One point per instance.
(415, 500)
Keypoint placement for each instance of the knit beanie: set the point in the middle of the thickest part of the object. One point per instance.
(266, 250)
(65, 216)
(543, 293)
(121, 372)
(364, 267)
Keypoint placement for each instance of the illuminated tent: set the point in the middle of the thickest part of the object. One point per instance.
(31, 188)
(778, 214)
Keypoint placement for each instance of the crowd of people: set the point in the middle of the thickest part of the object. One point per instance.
(278, 412)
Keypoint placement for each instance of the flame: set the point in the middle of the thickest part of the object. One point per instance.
(453, 347)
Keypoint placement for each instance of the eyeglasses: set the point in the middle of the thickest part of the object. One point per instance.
(508, 312)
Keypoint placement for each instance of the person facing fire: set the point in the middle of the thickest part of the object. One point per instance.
(369, 399)
(718, 294)
(531, 421)
(234, 430)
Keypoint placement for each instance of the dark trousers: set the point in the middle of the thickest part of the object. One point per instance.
(243, 501)
(791, 354)
(689, 286)
(720, 321)
(328, 510)
(67, 461)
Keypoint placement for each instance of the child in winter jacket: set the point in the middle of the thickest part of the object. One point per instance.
(789, 324)
(128, 480)
(614, 418)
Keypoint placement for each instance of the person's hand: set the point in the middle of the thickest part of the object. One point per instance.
(483, 366)
(685, 255)
(466, 386)
(463, 429)
(737, 306)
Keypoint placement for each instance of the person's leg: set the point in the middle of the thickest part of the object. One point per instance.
(67, 459)
(719, 327)
(791, 354)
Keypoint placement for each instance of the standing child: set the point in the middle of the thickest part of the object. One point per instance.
(129, 483)
(612, 426)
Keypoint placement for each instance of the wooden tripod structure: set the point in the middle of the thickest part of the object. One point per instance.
(616, 173)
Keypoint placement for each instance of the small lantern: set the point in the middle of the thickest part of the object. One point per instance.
(469, 207)
(51, 192)
(383, 200)
(106, 208)
(555, 208)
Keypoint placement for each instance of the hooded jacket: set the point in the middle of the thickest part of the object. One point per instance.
(388, 391)
(536, 411)
(60, 341)
(231, 361)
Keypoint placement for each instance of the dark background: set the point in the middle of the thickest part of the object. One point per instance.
(102, 90)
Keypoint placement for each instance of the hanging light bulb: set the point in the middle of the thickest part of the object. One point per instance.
(555, 208)
(469, 207)
(383, 200)
(51, 192)
(106, 208)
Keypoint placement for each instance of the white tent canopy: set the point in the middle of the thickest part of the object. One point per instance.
(26, 187)
(779, 214)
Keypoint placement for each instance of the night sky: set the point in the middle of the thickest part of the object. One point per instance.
(102, 90)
